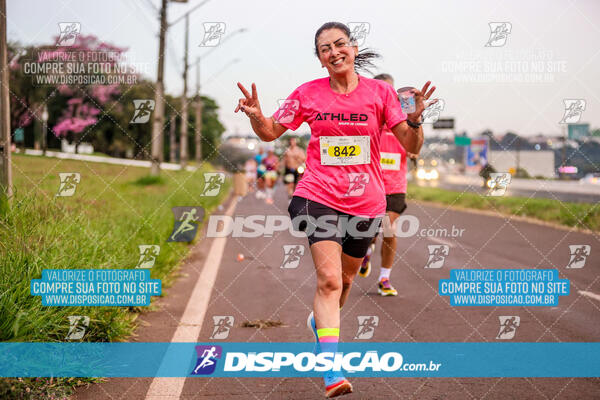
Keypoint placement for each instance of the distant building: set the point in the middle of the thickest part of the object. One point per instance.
(536, 163)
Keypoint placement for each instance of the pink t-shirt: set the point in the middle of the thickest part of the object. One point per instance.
(358, 116)
(393, 163)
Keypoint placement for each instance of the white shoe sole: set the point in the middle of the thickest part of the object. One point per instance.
(384, 294)
(344, 388)
(308, 324)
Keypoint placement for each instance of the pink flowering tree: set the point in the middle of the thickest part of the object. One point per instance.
(74, 110)
(86, 102)
(78, 116)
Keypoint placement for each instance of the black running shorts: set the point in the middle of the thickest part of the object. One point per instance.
(321, 222)
(292, 171)
(395, 202)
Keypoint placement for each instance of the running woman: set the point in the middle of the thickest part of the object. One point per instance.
(293, 158)
(345, 112)
(250, 168)
(394, 165)
(271, 163)
(260, 171)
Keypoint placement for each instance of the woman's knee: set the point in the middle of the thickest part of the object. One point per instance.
(347, 283)
(389, 241)
(329, 282)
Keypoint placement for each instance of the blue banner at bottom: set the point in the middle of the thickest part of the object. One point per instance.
(224, 359)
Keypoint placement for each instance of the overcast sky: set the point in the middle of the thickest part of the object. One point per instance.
(441, 41)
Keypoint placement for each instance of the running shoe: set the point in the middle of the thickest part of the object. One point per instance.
(337, 388)
(365, 268)
(269, 200)
(386, 289)
(310, 323)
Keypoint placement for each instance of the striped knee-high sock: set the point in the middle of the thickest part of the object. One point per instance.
(328, 340)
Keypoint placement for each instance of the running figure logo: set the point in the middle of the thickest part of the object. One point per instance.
(77, 326)
(437, 255)
(499, 32)
(291, 255)
(359, 32)
(498, 183)
(432, 113)
(68, 33)
(579, 254)
(357, 183)
(212, 183)
(143, 109)
(366, 326)
(148, 254)
(223, 323)
(573, 111)
(287, 111)
(212, 33)
(68, 183)
(207, 359)
(186, 223)
(508, 327)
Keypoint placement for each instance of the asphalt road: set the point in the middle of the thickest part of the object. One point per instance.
(556, 190)
(257, 288)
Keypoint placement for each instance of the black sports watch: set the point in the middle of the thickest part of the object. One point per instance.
(413, 124)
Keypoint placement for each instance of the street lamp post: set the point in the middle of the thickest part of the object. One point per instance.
(183, 140)
(184, 104)
(198, 130)
(5, 147)
(159, 97)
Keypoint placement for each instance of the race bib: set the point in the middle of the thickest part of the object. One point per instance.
(345, 150)
(391, 161)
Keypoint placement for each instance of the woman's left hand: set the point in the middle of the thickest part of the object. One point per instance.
(420, 97)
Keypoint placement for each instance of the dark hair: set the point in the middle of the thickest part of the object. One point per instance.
(384, 77)
(363, 60)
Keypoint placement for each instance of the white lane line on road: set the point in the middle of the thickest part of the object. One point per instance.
(589, 294)
(441, 241)
(190, 325)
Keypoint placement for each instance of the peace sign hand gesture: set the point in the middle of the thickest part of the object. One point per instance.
(249, 105)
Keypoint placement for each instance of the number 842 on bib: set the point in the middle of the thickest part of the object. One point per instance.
(345, 150)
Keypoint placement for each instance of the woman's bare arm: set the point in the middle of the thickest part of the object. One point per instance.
(267, 129)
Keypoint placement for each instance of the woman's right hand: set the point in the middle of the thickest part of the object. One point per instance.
(249, 104)
(266, 128)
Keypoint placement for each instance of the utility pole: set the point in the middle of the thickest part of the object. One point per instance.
(198, 132)
(44, 129)
(159, 109)
(518, 155)
(5, 147)
(183, 140)
(198, 127)
(565, 129)
(172, 139)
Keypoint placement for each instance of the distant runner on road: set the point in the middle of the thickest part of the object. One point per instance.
(394, 166)
(345, 112)
(271, 163)
(260, 171)
(293, 158)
